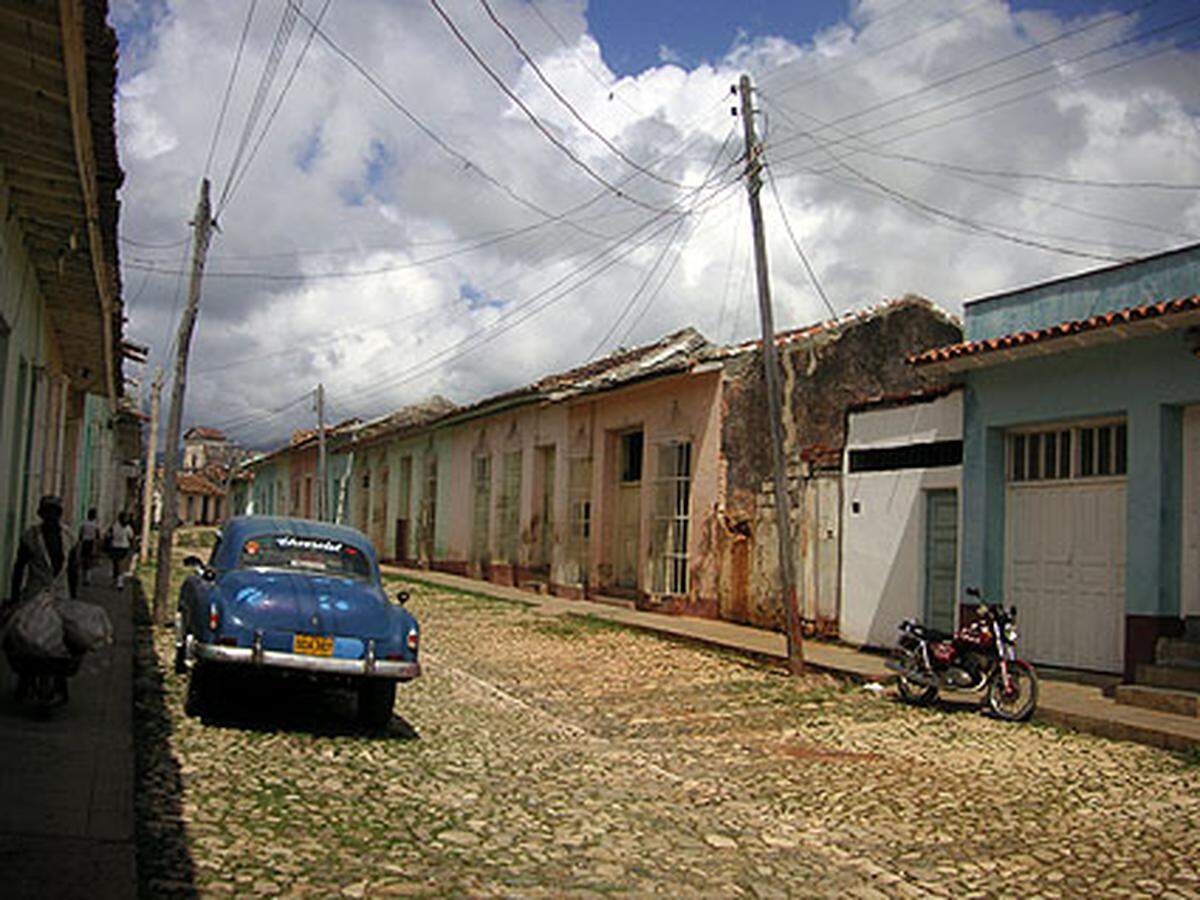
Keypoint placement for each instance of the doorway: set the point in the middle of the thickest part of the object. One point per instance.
(941, 558)
(629, 509)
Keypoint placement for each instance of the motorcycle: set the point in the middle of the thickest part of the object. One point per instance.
(977, 658)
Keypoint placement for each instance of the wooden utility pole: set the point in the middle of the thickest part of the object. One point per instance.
(151, 464)
(202, 224)
(783, 505)
(322, 492)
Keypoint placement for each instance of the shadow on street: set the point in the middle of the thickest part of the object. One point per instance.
(164, 858)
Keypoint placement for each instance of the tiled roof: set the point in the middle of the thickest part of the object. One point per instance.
(1128, 316)
(834, 327)
(200, 432)
(195, 483)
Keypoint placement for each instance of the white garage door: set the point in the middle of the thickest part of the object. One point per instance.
(1065, 545)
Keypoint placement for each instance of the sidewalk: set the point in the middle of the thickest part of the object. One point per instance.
(1067, 704)
(66, 781)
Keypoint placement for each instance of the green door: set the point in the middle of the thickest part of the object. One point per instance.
(941, 558)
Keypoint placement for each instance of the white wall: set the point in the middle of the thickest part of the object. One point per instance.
(1189, 596)
(883, 529)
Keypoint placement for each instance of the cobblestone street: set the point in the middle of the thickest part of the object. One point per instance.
(544, 756)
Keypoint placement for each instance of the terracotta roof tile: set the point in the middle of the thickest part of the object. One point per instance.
(1126, 316)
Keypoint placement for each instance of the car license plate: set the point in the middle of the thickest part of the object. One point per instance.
(312, 645)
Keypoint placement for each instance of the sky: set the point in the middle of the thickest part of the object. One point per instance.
(457, 198)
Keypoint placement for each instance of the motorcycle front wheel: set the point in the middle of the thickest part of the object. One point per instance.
(910, 691)
(1019, 700)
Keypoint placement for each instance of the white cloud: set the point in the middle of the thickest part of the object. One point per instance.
(344, 182)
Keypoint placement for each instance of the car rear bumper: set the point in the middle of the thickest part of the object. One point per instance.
(369, 667)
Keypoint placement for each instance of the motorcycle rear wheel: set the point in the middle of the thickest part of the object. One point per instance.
(1018, 704)
(910, 691)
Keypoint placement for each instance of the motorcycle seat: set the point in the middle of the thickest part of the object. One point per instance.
(929, 634)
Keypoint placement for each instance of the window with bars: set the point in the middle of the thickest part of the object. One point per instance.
(481, 489)
(1062, 454)
(672, 516)
(579, 499)
(509, 507)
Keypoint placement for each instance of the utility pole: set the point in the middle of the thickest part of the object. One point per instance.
(151, 454)
(322, 492)
(202, 224)
(783, 505)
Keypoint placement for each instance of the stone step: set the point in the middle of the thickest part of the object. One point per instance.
(1178, 677)
(1177, 652)
(1181, 703)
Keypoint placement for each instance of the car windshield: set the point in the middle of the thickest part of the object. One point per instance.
(324, 556)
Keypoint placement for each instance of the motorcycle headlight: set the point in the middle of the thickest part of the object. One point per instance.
(1010, 633)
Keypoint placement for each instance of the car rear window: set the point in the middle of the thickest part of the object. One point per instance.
(318, 555)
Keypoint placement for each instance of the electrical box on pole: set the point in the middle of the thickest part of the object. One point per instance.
(783, 505)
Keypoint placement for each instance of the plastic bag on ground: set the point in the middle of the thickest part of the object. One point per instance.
(36, 629)
(86, 626)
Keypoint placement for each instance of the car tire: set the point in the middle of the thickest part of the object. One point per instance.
(201, 688)
(375, 702)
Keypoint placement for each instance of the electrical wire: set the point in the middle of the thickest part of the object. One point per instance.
(275, 109)
(266, 79)
(992, 63)
(533, 305)
(1055, 67)
(237, 61)
(874, 150)
(591, 129)
(147, 245)
(466, 162)
(532, 116)
(812, 275)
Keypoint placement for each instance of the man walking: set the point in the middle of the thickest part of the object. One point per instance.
(120, 541)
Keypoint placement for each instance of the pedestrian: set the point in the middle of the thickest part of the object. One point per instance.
(120, 542)
(89, 535)
(47, 560)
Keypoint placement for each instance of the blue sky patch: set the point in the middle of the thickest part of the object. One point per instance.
(477, 299)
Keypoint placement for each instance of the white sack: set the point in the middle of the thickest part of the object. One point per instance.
(86, 626)
(36, 628)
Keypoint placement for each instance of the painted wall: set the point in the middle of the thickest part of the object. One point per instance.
(883, 564)
(1147, 380)
(1163, 277)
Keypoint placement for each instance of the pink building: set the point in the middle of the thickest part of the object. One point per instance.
(645, 475)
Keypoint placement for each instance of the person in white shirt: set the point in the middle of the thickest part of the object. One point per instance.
(120, 542)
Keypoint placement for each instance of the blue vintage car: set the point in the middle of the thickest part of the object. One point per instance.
(299, 597)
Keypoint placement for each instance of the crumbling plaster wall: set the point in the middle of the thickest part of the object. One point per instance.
(824, 374)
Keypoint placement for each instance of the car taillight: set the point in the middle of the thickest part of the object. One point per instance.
(413, 640)
(214, 617)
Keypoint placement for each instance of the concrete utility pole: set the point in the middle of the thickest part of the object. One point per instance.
(783, 505)
(151, 454)
(202, 223)
(322, 489)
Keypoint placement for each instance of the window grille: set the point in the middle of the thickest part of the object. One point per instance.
(1065, 454)
(672, 515)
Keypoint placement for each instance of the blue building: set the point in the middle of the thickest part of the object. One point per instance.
(1081, 443)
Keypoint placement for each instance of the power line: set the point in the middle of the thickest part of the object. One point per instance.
(989, 64)
(278, 103)
(467, 163)
(283, 34)
(147, 245)
(237, 61)
(534, 304)
(812, 275)
(874, 150)
(953, 101)
(532, 116)
(617, 151)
